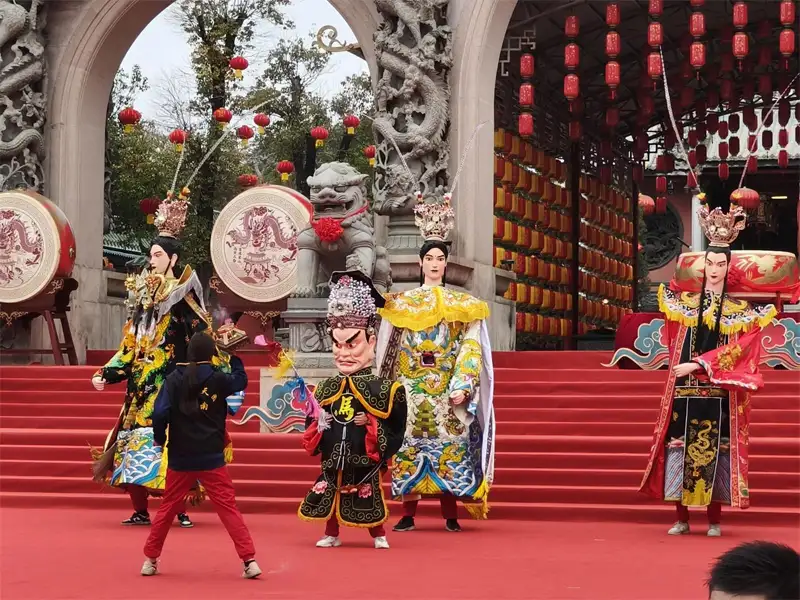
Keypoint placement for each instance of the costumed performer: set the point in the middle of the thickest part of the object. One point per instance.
(699, 455)
(435, 341)
(164, 312)
(354, 421)
(192, 404)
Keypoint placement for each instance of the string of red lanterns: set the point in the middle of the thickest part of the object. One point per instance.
(786, 39)
(526, 95)
(572, 82)
(613, 50)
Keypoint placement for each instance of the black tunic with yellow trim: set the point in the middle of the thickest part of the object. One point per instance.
(354, 456)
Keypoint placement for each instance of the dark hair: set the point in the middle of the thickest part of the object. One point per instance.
(757, 569)
(171, 245)
(202, 348)
(706, 339)
(427, 247)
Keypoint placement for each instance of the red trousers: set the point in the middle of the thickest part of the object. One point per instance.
(332, 528)
(447, 503)
(138, 496)
(219, 488)
(713, 510)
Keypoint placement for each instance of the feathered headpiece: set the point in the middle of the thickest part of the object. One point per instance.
(353, 302)
(721, 229)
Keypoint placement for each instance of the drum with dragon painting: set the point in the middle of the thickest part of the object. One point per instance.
(37, 245)
(254, 242)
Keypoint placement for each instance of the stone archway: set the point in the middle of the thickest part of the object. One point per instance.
(87, 43)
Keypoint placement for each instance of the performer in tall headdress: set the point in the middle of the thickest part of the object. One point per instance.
(699, 452)
(165, 311)
(355, 420)
(435, 341)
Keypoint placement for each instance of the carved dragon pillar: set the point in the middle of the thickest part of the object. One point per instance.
(414, 50)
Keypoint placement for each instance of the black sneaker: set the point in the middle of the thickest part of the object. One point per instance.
(452, 525)
(184, 520)
(138, 518)
(405, 524)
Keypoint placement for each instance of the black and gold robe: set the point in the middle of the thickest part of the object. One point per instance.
(354, 457)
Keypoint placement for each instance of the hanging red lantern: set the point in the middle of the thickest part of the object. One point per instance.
(655, 34)
(786, 43)
(661, 184)
(691, 180)
(320, 134)
(787, 13)
(741, 46)
(612, 78)
(262, 121)
(245, 133)
(783, 159)
(572, 26)
(734, 122)
(656, 8)
(752, 165)
(654, 67)
(766, 116)
(702, 154)
(613, 17)
(285, 168)
(129, 118)
(735, 146)
(575, 131)
(697, 3)
(178, 138)
(723, 150)
(369, 154)
(740, 15)
(723, 130)
(712, 123)
(697, 55)
(661, 164)
(784, 112)
(723, 171)
(661, 205)
(702, 132)
(238, 64)
(646, 204)
(697, 25)
(572, 56)
(525, 125)
(783, 138)
(766, 139)
(669, 139)
(692, 158)
(746, 198)
(223, 116)
(526, 94)
(149, 206)
(612, 117)
(613, 44)
(247, 180)
(526, 65)
(351, 122)
(572, 87)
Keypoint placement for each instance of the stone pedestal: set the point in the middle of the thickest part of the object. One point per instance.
(305, 318)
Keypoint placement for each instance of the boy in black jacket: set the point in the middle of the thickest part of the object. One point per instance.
(192, 402)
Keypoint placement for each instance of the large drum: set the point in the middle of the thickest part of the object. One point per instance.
(254, 242)
(37, 245)
(755, 273)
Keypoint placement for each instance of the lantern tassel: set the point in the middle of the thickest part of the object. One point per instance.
(245, 141)
(237, 73)
(284, 177)
(179, 148)
(319, 144)
(127, 128)
(371, 162)
(261, 130)
(351, 131)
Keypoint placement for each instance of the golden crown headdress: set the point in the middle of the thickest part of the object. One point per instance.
(720, 228)
(435, 220)
(171, 214)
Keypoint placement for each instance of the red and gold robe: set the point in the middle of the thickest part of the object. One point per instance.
(729, 375)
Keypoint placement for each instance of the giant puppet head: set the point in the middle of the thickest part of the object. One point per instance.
(721, 229)
(352, 320)
(435, 221)
(170, 220)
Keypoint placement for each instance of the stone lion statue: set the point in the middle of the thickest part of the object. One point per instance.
(341, 235)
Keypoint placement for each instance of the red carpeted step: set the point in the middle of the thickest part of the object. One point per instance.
(613, 388)
(599, 401)
(623, 415)
(44, 421)
(621, 429)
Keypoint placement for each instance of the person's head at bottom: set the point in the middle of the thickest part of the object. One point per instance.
(756, 571)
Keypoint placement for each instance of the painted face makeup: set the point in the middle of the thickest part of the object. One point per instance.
(433, 265)
(353, 351)
(716, 268)
(160, 261)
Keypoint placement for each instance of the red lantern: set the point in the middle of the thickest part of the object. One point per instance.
(723, 130)
(262, 121)
(575, 131)
(669, 139)
(654, 67)
(285, 168)
(247, 180)
(612, 15)
(712, 123)
(572, 56)
(723, 150)
(697, 3)
(526, 94)
(787, 13)
(723, 171)
(129, 118)
(526, 65)
(692, 158)
(735, 146)
(691, 180)
(752, 165)
(656, 8)
(178, 138)
(697, 55)
(572, 26)
(572, 87)
(783, 159)
(655, 34)
(661, 184)
(734, 121)
(612, 79)
(741, 46)
(766, 139)
(238, 64)
(149, 206)
(786, 44)
(746, 198)
(613, 44)
(223, 116)
(697, 25)
(525, 124)
(661, 165)
(369, 154)
(612, 117)
(661, 205)
(784, 112)
(702, 154)
(646, 204)
(351, 122)
(692, 138)
(702, 132)
(245, 133)
(740, 15)
(783, 138)
(320, 134)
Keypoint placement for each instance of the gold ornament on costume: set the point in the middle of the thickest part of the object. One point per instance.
(721, 229)
(435, 219)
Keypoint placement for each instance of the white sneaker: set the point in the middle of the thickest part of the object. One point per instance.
(714, 531)
(329, 542)
(251, 570)
(150, 567)
(680, 528)
(381, 543)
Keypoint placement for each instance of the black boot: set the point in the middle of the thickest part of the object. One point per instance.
(452, 525)
(405, 524)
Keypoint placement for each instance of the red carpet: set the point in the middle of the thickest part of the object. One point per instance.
(572, 444)
(84, 554)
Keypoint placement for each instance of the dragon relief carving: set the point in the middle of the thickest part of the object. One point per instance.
(22, 95)
(414, 48)
(339, 197)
